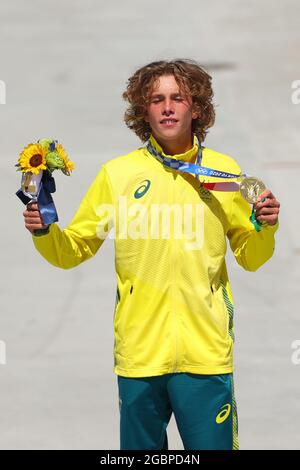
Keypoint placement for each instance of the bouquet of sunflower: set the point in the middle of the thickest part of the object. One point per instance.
(37, 163)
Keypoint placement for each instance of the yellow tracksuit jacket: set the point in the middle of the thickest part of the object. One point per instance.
(174, 305)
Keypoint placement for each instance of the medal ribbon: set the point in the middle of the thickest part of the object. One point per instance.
(198, 169)
(195, 168)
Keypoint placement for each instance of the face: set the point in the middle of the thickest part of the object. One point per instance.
(170, 112)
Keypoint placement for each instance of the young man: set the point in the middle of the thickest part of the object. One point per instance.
(173, 321)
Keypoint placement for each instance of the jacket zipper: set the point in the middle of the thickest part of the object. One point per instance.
(174, 284)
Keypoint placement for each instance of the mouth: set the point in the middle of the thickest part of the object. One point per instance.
(168, 121)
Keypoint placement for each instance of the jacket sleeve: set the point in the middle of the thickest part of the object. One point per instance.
(82, 238)
(251, 249)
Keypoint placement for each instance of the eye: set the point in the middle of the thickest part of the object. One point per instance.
(178, 98)
(155, 100)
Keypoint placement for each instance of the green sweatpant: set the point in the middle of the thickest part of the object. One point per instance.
(204, 408)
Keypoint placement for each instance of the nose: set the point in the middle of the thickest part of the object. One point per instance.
(167, 108)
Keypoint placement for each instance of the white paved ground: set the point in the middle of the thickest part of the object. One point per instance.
(65, 65)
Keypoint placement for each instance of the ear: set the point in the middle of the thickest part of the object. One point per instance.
(195, 114)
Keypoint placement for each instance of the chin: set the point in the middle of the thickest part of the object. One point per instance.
(169, 134)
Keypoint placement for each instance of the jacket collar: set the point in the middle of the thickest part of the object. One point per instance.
(188, 156)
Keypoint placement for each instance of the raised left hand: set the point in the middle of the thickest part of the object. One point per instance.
(267, 208)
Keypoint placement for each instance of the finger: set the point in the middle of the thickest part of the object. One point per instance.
(267, 211)
(31, 214)
(32, 206)
(267, 203)
(267, 200)
(267, 193)
(33, 220)
(270, 219)
(32, 227)
(264, 194)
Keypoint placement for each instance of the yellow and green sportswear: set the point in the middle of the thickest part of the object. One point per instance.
(174, 305)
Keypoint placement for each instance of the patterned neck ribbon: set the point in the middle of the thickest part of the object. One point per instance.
(195, 168)
(198, 169)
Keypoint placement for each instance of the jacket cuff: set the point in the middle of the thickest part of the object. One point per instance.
(271, 227)
(40, 232)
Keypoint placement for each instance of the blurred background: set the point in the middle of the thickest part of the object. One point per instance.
(64, 65)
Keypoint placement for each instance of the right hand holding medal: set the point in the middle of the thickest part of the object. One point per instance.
(267, 208)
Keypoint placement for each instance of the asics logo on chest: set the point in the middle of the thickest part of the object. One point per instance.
(141, 190)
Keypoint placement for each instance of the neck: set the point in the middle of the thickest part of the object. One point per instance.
(175, 147)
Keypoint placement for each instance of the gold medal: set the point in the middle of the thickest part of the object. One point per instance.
(251, 188)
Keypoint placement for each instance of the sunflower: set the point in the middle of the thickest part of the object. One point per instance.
(32, 159)
(69, 166)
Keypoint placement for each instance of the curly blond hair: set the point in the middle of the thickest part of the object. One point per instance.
(191, 78)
